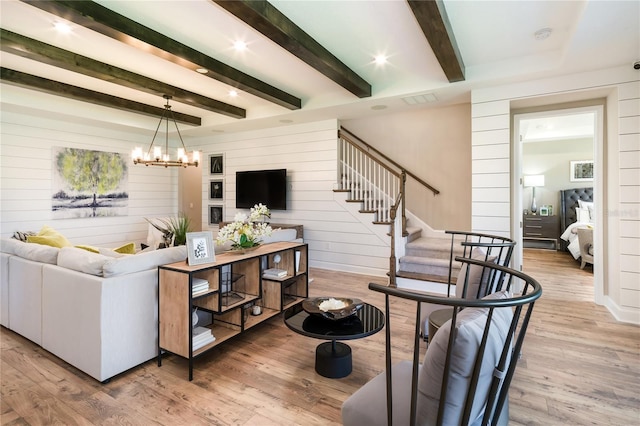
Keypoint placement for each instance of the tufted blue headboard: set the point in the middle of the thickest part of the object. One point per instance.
(568, 203)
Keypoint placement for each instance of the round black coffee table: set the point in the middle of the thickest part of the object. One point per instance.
(333, 359)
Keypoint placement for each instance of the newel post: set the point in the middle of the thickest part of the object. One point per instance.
(392, 259)
(403, 182)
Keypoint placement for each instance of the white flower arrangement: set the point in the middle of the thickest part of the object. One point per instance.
(246, 231)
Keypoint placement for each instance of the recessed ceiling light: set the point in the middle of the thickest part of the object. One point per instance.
(542, 33)
(202, 70)
(62, 27)
(378, 107)
(380, 59)
(239, 45)
(233, 93)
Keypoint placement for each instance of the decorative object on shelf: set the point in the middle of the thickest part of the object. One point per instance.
(174, 230)
(246, 232)
(194, 317)
(154, 155)
(200, 248)
(534, 181)
(581, 171)
(333, 308)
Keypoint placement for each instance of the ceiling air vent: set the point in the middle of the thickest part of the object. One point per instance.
(420, 99)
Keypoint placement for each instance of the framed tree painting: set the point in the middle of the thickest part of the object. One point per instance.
(216, 164)
(216, 189)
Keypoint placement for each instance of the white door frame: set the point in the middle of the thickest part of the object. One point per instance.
(598, 189)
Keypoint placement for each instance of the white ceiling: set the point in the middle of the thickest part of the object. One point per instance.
(495, 38)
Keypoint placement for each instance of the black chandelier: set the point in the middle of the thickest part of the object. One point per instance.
(154, 155)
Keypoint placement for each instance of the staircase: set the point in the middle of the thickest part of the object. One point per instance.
(427, 259)
(377, 183)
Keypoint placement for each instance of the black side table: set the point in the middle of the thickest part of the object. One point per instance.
(333, 359)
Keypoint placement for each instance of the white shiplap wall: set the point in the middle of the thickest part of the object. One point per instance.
(491, 178)
(337, 239)
(26, 148)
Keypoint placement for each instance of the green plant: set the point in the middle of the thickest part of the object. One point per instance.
(173, 228)
(180, 225)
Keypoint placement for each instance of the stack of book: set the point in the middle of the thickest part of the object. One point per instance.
(199, 286)
(274, 273)
(201, 336)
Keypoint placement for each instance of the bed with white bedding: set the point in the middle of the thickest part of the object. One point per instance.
(576, 210)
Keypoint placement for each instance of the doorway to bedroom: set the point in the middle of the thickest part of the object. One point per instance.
(558, 150)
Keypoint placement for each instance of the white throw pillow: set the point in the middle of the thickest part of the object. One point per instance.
(478, 275)
(38, 252)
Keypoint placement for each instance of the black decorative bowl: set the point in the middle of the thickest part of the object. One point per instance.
(316, 307)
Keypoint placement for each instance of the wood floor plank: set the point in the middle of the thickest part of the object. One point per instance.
(579, 366)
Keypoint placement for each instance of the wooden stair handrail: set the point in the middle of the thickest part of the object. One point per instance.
(341, 133)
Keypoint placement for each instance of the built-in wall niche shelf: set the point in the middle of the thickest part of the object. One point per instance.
(234, 284)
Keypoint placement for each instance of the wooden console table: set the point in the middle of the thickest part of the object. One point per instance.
(235, 285)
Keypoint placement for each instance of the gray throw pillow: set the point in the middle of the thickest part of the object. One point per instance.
(478, 276)
(470, 327)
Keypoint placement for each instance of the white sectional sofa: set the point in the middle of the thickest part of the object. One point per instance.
(98, 313)
(95, 312)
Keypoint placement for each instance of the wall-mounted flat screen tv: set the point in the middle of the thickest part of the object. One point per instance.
(268, 187)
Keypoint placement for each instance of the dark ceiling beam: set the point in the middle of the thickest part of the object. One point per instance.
(432, 18)
(111, 24)
(269, 21)
(26, 47)
(29, 81)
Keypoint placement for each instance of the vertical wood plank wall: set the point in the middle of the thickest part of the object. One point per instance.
(491, 162)
(337, 240)
(26, 173)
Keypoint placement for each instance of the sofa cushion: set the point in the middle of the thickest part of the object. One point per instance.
(469, 327)
(82, 260)
(9, 245)
(37, 252)
(144, 261)
(50, 237)
(280, 235)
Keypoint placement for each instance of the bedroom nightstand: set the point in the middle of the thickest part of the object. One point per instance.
(537, 230)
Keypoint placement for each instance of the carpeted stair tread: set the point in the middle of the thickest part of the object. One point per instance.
(423, 277)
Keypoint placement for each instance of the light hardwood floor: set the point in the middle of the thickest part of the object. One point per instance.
(579, 366)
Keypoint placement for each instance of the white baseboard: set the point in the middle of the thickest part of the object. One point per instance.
(622, 314)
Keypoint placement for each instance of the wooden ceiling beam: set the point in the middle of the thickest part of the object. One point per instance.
(29, 81)
(111, 24)
(26, 47)
(269, 21)
(432, 18)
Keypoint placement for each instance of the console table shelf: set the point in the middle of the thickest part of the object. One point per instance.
(240, 275)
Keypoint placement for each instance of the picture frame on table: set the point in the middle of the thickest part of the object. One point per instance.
(200, 248)
(216, 164)
(581, 171)
(216, 215)
(544, 211)
(216, 189)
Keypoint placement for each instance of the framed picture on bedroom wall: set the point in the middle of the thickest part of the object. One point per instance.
(582, 171)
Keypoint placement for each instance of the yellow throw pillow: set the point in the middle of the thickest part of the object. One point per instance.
(129, 248)
(49, 237)
(89, 248)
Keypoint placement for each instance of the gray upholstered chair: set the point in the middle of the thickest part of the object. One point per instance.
(466, 374)
(585, 240)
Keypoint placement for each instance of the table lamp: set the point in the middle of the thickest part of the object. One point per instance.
(534, 181)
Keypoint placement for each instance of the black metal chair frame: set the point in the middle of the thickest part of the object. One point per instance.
(499, 388)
